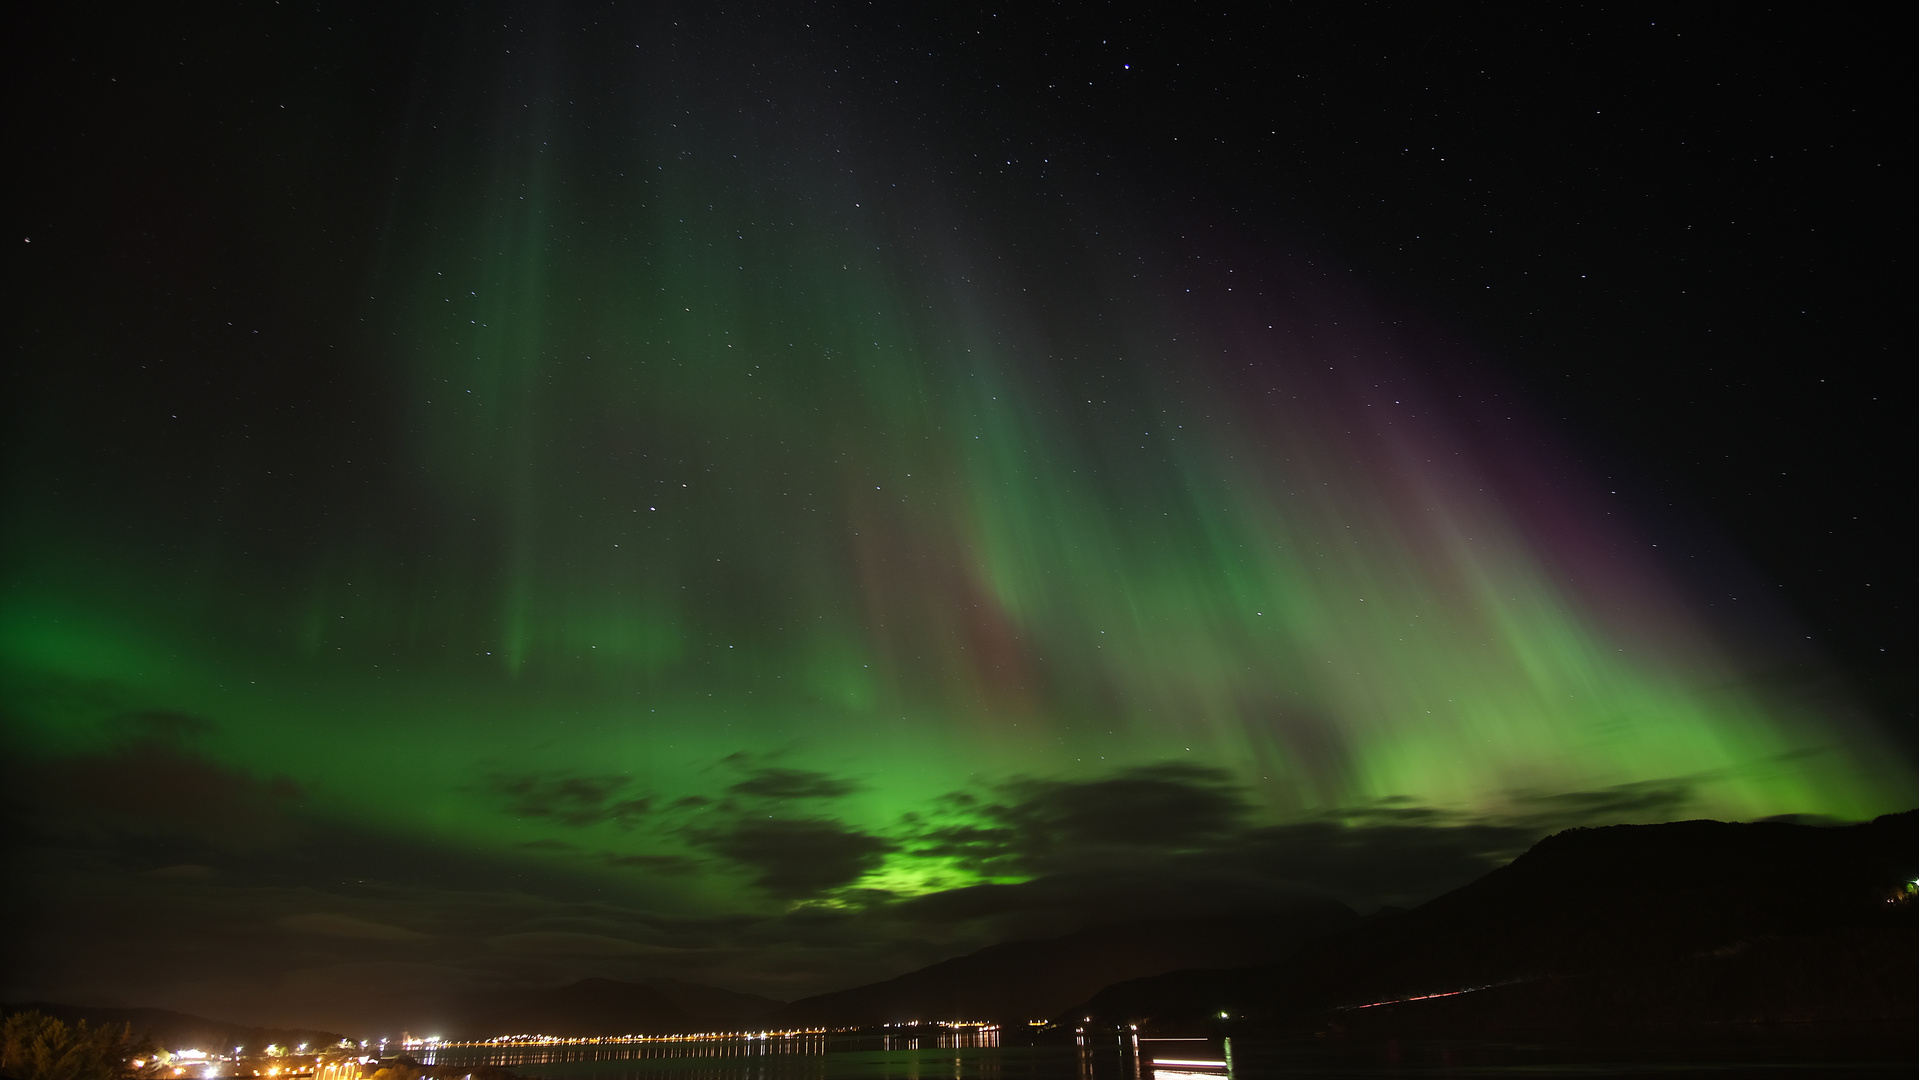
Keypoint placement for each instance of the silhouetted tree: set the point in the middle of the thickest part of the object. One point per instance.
(35, 1046)
(402, 1068)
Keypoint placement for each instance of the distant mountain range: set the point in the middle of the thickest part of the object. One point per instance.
(1011, 982)
(605, 1007)
(1698, 922)
(179, 1031)
(1019, 981)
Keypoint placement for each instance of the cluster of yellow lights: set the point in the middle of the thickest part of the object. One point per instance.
(583, 1040)
(701, 1036)
(435, 1041)
(212, 1063)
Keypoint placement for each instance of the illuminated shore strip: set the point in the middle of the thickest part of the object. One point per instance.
(708, 1036)
(591, 1040)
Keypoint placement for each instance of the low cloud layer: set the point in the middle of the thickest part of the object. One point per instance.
(793, 859)
(783, 785)
(347, 926)
(571, 800)
(246, 903)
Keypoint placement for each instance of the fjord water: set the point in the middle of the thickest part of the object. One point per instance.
(965, 1054)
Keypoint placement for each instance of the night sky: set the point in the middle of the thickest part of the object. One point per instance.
(779, 496)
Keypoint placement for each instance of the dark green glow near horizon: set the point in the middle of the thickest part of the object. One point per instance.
(709, 460)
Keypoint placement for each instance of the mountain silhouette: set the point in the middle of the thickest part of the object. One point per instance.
(729, 1010)
(605, 1007)
(1688, 922)
(1017, 981)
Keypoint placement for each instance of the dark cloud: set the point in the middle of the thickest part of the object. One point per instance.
(1059, 903)
(160, 726)
(347, 926)
(355, 930)
(775, 783)
(659, 864)
(1652, 800)
(1368, 866)
(796, 858)
(571, 800)
(563, 943)
(1164, 806)
(1036, 825)
(1174, 839)
(155, 788)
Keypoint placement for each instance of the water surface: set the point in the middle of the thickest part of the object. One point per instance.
(963, 1055)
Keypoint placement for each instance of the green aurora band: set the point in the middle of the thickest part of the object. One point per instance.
(717, 458)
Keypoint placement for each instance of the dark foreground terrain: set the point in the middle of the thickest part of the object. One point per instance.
(176, 1030)
(1685, 925)
(1680, 930)
(1018, 981)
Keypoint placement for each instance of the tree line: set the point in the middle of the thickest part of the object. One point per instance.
(35, 1046)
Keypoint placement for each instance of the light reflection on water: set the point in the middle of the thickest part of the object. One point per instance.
(922, 1055)
(976, 1055)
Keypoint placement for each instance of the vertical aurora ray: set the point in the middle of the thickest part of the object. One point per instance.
(708, 441)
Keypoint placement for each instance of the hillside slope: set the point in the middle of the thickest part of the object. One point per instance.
(1689, 921)
(1022, 980)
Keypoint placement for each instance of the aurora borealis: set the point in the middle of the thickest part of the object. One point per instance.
(641, 506)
